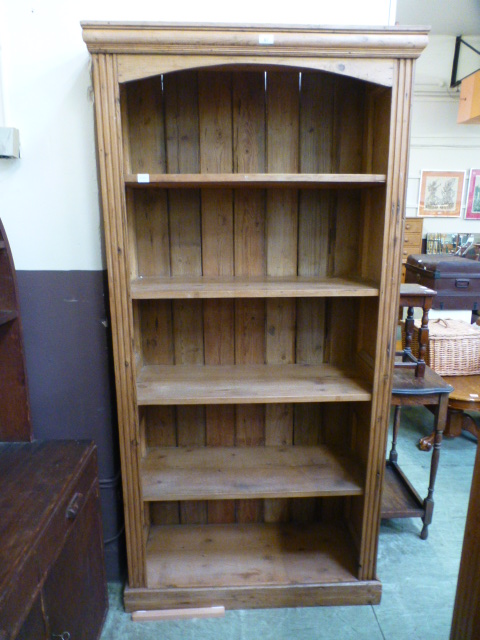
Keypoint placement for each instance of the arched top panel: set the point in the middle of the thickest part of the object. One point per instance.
(145, 66)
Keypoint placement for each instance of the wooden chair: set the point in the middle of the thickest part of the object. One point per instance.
(411, 296)
(414, 383)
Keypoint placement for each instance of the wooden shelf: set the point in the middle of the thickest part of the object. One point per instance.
(254, 180)
(7, 316)
(197, 473)
(184, 384)
(399, 498)
(217, 556)
(149, 288)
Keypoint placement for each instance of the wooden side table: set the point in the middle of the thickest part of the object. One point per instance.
(52, 571)
(400, 499)
(414, 383)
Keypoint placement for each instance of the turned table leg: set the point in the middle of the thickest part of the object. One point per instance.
(393, 457)
(440, 419)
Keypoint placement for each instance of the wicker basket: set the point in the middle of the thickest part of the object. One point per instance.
(453, 347)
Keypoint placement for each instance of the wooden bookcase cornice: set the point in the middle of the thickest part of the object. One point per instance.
(261, 40)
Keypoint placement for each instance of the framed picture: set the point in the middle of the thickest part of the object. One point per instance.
(441, 194)
(472, 212)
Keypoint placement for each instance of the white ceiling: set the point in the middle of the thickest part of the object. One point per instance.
(445, 17)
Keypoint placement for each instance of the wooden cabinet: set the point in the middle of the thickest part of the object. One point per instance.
(52, 571)
(412, 240)
(15, 419)
(253, 183)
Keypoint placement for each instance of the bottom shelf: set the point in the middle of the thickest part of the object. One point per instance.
(399, 498)
(251, 565)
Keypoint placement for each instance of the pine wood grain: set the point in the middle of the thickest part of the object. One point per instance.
(248, 384)
(196, 473)
(348, 593)
(182, 144)
(151, 233)
(281, 243)
(215, 125)
(178, 614)
(250, 286)
(248, 554)
(314, 223)
(272, 180)
(264, 174)
(249, 247)
(146, 138)
(108, 117)
(216, 44)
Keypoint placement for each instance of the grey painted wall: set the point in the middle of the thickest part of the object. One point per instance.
(70, 376)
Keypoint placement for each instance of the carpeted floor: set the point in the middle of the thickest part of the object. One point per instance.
(419, 577)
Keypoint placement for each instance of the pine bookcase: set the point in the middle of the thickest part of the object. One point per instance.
(253, 185)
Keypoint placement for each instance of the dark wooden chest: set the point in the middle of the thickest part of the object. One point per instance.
(52, 572)
(456, 280)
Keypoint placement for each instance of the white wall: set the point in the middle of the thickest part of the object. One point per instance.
(49, 198)
(437, 141)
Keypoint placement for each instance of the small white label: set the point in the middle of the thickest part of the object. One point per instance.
(266, 38)
(474, 395)
(143, 177)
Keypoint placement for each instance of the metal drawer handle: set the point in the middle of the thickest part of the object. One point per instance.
(462, 284)
(74, 506)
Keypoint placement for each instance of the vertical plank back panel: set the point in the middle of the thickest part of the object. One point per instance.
(316, 151)
(146, 129)
(349, 100)
(151, 231)
(156, 332)
(316, 148)
(182, 133)
(249, 246)
(181, 126)
(281, 244)
(348, 154)
(215, 117)
(143, 108)
(160, 427)
(160, 423)
(349, 219)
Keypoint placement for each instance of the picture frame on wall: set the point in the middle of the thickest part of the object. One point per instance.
(441, 194)
(472, 211)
